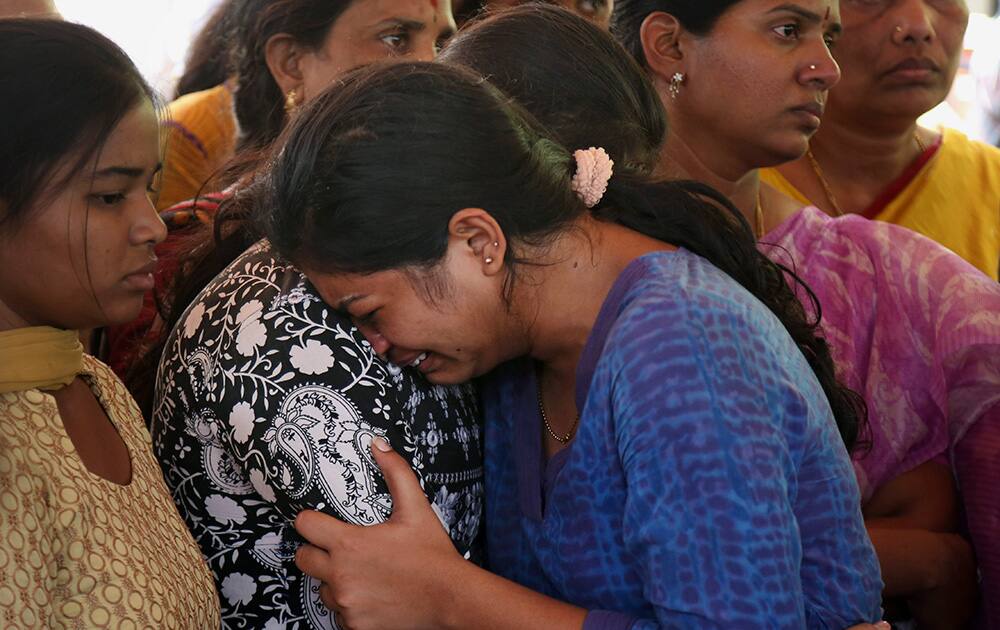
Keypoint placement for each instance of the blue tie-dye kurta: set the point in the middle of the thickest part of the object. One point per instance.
(707, 485)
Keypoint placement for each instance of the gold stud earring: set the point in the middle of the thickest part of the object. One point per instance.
(488, 260)
(291, 101)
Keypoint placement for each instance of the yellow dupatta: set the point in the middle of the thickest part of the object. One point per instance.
(39, 357)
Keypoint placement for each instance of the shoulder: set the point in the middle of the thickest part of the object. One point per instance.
(30, 444)
(686, 321)
(258, 303)
(22, 415)
(777, 180)
(680, 291)
(199, 107)
(959, 148)
(260, 330)
(201, 124)
(910, 264)
(684, 314)
(256, 274)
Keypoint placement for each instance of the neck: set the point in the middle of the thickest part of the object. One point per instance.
(679, 159)
(565, 294)
(10, 319)
(879, 149)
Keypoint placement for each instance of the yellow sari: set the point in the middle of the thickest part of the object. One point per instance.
(953, 199)
(200, 138)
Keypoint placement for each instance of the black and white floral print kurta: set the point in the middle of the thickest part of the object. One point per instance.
(267, 402)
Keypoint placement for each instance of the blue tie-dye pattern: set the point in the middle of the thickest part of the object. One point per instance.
(707, 485)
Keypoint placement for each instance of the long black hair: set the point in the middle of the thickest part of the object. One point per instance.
(66, 87)
(697, 16)
(387, 139)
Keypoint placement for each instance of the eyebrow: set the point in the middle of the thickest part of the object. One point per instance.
(128, 171)
(410, 25)
(347, 301)
(807, 15)
(803, 13)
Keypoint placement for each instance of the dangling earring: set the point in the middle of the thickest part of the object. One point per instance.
(291, 101)
(676, 81)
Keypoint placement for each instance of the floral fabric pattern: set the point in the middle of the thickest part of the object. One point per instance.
(267, 404)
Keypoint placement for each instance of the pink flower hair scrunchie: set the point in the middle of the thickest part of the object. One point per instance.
(593, 171)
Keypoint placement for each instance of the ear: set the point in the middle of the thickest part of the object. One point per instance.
(476, 234)
(283, 56)
(661, 36)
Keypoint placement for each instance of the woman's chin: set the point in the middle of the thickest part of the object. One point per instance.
(789, 150)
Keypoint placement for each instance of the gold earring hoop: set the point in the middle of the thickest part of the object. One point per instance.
(291, 101)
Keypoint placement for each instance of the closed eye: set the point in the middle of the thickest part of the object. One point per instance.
(368, 318)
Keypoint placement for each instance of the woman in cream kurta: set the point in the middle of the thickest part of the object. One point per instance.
(77, 550)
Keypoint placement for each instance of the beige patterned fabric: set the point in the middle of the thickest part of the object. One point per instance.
(78, 551)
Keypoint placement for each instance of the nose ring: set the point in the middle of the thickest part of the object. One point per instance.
(899, 29)
(812, 66)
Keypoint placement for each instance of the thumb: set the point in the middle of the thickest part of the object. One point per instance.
(408, 499)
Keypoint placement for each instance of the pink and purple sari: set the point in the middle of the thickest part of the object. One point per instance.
(916, 330)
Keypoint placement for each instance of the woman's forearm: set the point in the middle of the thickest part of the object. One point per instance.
(915, 560)
(476, 598)
(924, 498)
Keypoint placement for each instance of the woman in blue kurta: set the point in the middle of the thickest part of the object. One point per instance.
(706, 485)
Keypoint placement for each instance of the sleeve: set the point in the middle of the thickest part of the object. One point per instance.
(974, 402)
(307, 444)
(977, 466)
(26, 546)
(711, 430)
(608, 620)
(967, 361)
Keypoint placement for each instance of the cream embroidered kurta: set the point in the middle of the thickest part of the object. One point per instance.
(78, 551)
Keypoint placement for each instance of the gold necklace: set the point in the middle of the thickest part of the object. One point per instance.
(826, 187)
(545, 419)
(822, 182)
(758, 216)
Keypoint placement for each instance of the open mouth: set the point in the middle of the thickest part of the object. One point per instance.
(420, 359)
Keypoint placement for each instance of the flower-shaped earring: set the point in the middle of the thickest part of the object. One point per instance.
(676, 82)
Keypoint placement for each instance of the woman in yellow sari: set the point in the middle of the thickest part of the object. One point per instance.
(898, 60)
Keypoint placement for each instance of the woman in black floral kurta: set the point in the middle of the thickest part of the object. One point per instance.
(267, 402)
